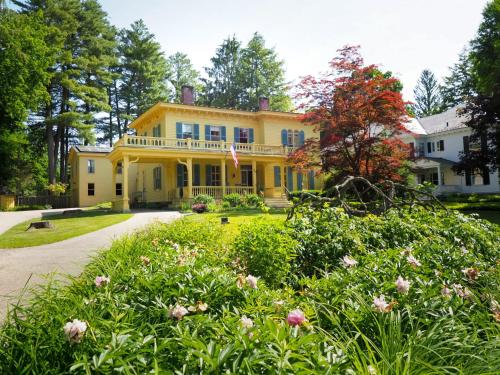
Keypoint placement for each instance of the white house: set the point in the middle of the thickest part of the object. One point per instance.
(436, 142)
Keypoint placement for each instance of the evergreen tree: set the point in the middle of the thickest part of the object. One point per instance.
(79, 76)
(239, 76)
(223, 87)
(427, 98)
(459, 84)
(262, 74)
(182, 73)
(143, 73)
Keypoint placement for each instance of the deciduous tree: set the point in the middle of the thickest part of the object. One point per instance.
(358, 115)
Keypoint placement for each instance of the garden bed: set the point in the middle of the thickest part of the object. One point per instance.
(404, 293)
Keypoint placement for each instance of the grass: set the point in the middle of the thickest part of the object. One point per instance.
(64, 227)
(491, 216)
(236, 218)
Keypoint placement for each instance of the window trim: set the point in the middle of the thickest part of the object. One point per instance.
(90, 166)
(91, 189)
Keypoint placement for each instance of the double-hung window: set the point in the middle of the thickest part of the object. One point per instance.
(244, 135)
(187, 131)
(157, 131)
(91, 166)
(215, 133)
(118, 189)
(157, 178)
(119, 168)
(293, 138)
(90, 189)
(215, 175)
(440, 145)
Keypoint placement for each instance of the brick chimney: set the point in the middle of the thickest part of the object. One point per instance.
(187, 95)
(263, 103)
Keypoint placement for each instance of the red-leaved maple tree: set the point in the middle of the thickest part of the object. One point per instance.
(359, 113)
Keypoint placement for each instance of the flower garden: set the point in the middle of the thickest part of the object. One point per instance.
(407, 292)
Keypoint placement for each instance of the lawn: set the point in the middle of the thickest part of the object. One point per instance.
(64, 227)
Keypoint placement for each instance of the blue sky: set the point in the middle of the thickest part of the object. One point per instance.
(404, 36)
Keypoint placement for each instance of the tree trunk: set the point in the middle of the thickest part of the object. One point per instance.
(110, 130)
(117, 110)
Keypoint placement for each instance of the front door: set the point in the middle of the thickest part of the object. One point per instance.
(246, 175)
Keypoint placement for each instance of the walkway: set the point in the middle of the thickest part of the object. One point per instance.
(68, 256)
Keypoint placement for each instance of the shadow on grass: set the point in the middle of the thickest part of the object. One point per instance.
(86, 213)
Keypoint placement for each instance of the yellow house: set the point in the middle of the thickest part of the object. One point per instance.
(182, 150)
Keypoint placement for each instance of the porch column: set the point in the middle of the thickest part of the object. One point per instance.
(254, 176)
(189, 165)
(439, 177)
(223, 175)
(125, 205)
(282, 178)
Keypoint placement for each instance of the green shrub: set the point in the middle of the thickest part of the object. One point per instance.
(253, 200)
(234, 200)
(203, 198)
(226, 205)
(265, 250)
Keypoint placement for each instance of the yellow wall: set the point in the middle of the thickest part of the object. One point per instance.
(267, 129)
(101, 178)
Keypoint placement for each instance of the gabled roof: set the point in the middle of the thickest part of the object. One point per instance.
(94, 149)
(442, 122)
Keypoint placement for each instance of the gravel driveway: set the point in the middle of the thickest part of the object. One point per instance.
(17, 266)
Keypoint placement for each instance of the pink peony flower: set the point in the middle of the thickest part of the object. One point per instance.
(246, 322)
(381, 305)
(413, 261)
(349, 261)
(101, 281)
(75, 330)
(145, 260)
(471, 273)
(402, 285)
(252, 281)
(296, 318)
(177, 312)
(446, 292)
(199, 307)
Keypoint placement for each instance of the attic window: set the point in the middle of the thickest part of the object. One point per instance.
(446, 123)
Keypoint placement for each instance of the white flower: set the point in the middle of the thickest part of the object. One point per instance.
(349, 261)
(413, 261)
(246, 322)
(371, 370)
(101, 280)
(461, 291)
(380, 304)
(75, 330)
(402, 285)
(177, 312)
(252, 281)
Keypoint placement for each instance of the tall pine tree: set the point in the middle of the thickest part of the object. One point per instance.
(182, 73)
(427, 98)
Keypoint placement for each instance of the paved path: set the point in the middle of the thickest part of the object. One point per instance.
(17, 266)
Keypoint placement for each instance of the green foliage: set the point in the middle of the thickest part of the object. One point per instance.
(427, 95)
(129, 328)
(203, 198)
(239, 76)
(265, 250)
(253, 200)
(234, 200)
(182, 72)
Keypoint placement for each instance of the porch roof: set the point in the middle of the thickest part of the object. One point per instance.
(427, 163)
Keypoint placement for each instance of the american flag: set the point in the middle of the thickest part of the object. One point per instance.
(235, 157)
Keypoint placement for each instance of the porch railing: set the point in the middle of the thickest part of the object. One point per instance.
(192, 144)
(217, 191)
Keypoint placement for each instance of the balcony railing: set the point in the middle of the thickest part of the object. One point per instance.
(202, 145)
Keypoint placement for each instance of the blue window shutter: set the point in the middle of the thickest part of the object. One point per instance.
(208, 176)
(207, 132)
(284, 137)
(196, 177)
(178, 130)
(289, 178)
(196, 131)
(250, 135)
(223, 133)
(180, 175)
(277, 176)
(236, 135)
(311, 180)
(299, 181)
(301, 138)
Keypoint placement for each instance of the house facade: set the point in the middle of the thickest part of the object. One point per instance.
(436, 143)
(181, 150)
